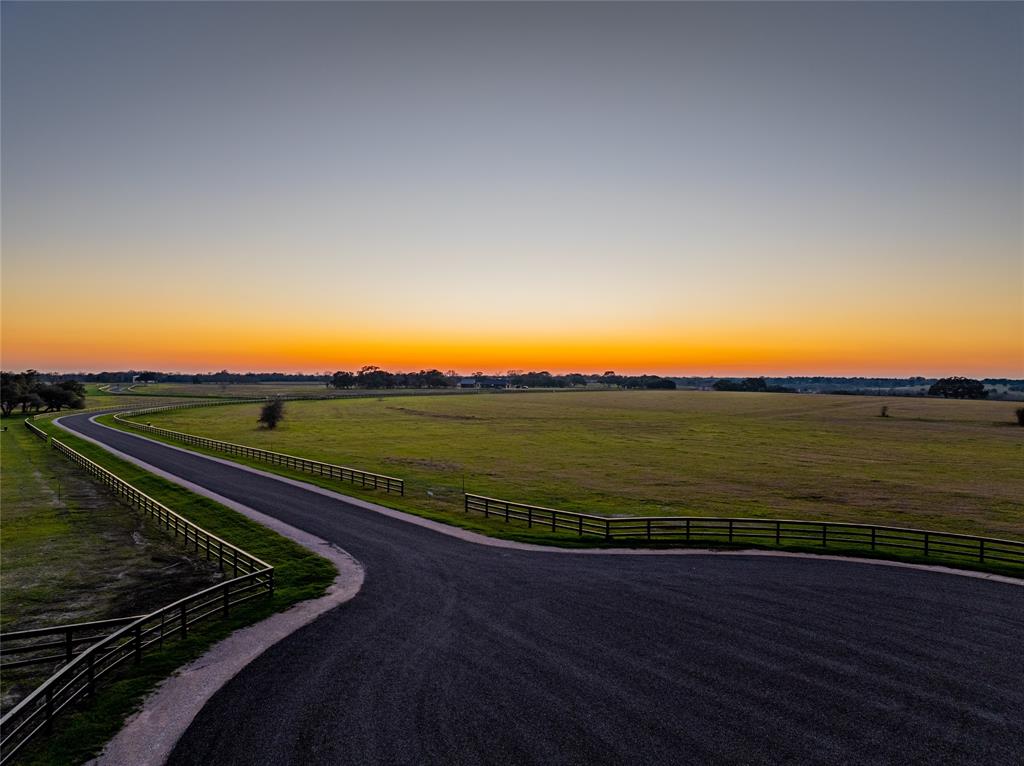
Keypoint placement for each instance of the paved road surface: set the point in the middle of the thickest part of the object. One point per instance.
(455, 653)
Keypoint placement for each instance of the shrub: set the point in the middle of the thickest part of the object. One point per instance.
(272, 413)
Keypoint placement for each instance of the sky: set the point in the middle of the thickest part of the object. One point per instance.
(688, 188)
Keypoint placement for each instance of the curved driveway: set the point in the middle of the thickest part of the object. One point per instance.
(457, 653)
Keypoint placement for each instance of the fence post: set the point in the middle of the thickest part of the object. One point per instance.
(271, 583)
(873, 531)
(730, 530)
(648, 529)
(49, 709)
(554, 516)
(529, 517)
(69, 645)
(184, 620)
(925, 543)
(778, 532)
(138, 644)
(506, 513)
(687, 530)
(607, 529)
(90, 676)
(227, 597)
(824, 535)
(981, 550)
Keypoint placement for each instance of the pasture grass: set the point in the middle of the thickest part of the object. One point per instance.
(229, 390)
(299, 575)
(946, 465)
(72, 553)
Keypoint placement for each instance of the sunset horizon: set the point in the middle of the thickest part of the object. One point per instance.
(666, 188)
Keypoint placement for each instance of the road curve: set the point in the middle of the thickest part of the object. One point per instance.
(456, 653)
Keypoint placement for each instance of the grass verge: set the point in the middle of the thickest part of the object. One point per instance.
(299, 575)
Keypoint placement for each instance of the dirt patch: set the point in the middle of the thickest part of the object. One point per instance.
(440, 415)
(420, 462)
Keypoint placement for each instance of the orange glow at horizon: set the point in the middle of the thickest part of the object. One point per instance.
(205, 343)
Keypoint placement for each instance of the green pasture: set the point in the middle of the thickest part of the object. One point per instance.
(228, 390)
(58, 524)
(937, 464)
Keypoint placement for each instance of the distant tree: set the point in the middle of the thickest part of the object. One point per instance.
(26, 390)
(884, 413)
(958, 388)
(342, 379)
(272, 413)
(1020, 416)
(370, 376)
(663, 383)
(750, 384)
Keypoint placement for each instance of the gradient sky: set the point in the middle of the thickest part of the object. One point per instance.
(693, 189)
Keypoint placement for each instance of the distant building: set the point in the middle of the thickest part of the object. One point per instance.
(484, 383)
(493, 383)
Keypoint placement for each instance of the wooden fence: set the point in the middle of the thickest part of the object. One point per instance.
(771, 532)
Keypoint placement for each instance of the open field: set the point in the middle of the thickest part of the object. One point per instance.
(299, 575)
(220, 390)
(72, 553)
(938, 464)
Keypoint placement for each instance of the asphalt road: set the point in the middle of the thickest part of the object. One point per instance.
(456, 653)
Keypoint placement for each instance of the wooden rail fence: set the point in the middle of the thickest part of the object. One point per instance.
(80, 671)
(772, 532)
(365, 479)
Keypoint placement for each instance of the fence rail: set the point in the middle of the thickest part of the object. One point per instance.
(249, 577)
(777, 532)
(53, 645)
(365, 479)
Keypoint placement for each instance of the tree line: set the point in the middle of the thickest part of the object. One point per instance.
(371, 376)
(28, 391)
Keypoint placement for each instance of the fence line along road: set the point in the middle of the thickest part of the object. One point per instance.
(77, 679)
(778, 532)
(365, 479)
(65, 639)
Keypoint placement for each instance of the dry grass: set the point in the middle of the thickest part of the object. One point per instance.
(939, 464)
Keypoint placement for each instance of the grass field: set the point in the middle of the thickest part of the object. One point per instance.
(220, 390)
(299, 574)
(938, 464)
(72, 553)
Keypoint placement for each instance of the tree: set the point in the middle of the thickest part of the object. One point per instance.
(661, 383)
(371, 376)
(1020, 416)
(272, 413)
(57, 396)
(750, 384)
(24, 389)
(342, 379)
(958, 387)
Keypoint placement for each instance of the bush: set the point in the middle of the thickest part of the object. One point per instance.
(272, 413)
(1020, 416)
